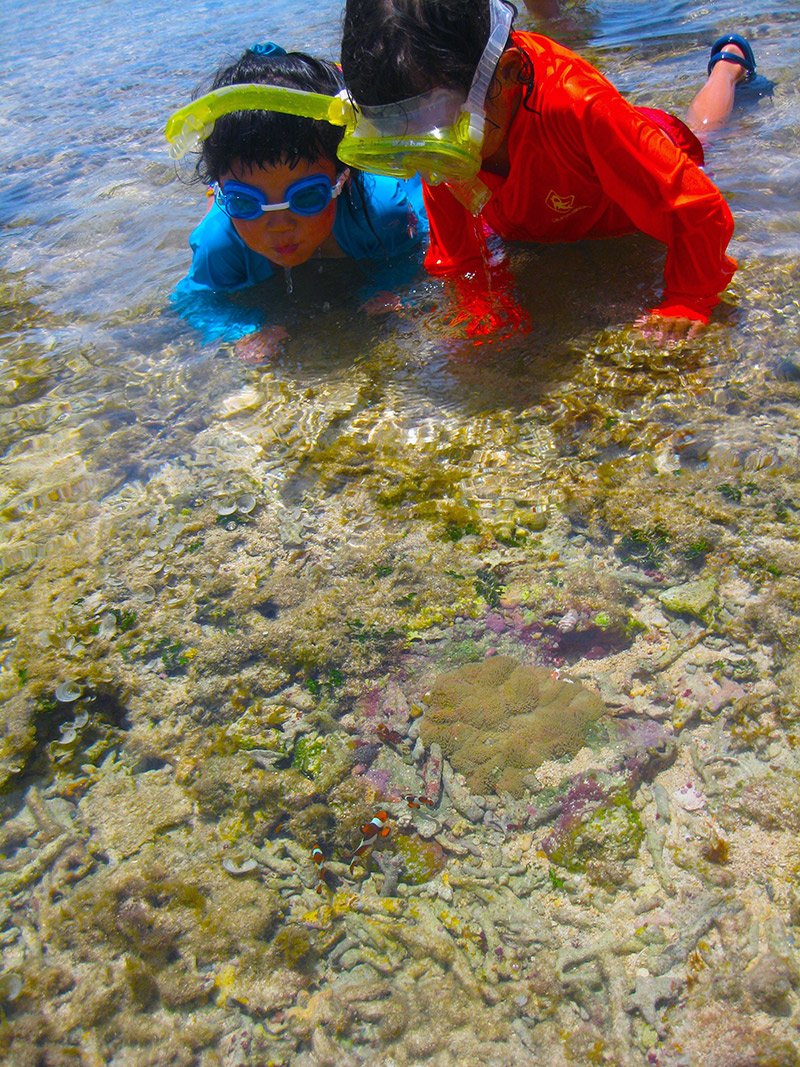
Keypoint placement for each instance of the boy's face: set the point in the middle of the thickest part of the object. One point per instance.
(285, 238)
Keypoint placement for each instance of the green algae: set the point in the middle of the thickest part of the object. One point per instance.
(309, 754)
(422, 859)
(141, 982)
(259, 727)
(325, 759)
(600, 842)
(296, 946)
(489, 586)
(645, 547)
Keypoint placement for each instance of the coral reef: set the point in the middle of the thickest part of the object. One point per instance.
(497, 721)
(338, 593)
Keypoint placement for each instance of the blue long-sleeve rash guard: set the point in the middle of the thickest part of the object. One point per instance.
(394, 230)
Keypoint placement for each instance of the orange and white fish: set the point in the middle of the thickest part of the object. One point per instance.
(415, 800)
(370, 832)
(319, 862)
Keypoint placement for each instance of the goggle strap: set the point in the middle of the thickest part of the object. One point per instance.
(335, 190)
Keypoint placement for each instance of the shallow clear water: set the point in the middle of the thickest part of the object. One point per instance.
(95, 221)
(376, 451)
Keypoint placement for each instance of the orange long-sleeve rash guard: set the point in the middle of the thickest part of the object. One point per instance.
(584, 163)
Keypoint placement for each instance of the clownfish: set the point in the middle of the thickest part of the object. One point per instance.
(319, 862)
(376, 827)
(414, 801)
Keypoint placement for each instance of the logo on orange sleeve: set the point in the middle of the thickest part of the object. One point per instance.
(558, 203)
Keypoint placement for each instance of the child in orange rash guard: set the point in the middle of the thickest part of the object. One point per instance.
(564, 156)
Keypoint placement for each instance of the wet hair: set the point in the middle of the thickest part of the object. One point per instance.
(396, 49)
(268, 138)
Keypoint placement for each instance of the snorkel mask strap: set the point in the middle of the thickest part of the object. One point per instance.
(473, 194)
(501, 16)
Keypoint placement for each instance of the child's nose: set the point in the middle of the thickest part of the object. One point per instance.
(279, 220)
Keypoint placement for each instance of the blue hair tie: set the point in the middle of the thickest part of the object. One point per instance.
(268, 49)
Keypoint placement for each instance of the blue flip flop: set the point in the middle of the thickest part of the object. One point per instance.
(748, 61)
(754, 87)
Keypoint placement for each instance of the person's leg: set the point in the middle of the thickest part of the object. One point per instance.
(713, 104)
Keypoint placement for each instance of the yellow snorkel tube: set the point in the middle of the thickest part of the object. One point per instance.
(445, 151)
(453, 150)
(189, 127)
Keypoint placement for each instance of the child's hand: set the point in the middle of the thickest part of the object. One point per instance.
(668, 331)
(261, 345)
(491, 313)
(382, 304)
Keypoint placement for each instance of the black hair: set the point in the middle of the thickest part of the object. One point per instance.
(269, 138)
(396, 49)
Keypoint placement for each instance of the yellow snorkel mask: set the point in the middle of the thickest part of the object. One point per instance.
(438, 134)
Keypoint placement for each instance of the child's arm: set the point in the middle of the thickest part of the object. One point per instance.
(388, 234)
(482, 288)
(213, 314)
(457, 243)
(668, 197)
(221, 261)
(222, 264)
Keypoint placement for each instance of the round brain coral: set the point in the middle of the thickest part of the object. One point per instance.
(499, 719)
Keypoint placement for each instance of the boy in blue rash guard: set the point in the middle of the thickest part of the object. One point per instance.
(280, 198)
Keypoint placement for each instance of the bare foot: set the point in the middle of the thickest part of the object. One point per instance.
(668, 331)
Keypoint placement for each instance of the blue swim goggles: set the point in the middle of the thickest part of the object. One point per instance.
(308, 196)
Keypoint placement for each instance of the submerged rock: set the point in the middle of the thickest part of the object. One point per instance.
(597, 832)
(771, 800)
(498, 720)
(18, 736)
(125, 811)
(691, 598)
(422, 860)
